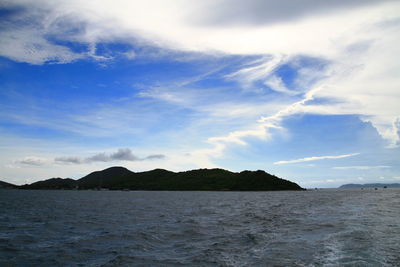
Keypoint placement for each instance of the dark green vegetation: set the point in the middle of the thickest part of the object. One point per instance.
(4, 185)
(119, 178)
(369, 185)
(53, 183)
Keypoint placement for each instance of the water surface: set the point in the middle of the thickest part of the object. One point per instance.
(112, 228)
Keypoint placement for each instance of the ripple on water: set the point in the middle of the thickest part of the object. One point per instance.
(314, 228)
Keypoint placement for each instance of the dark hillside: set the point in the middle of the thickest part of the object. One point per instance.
(119, 178)
(104, 178)
(53, 183)
(5, 185)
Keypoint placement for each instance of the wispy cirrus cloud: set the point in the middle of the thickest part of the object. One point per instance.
(29, 46)
(335, 32)
(361, 167)
(352, 71)
(315, 158)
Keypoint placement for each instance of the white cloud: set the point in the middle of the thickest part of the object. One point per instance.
(66, 160)
(366, 84)
(359, 38)
(315, 158)
(32, 161)
(361, 167)
(276, 84)
(122, 154)
(262, 12)
(260, 69)
(263, 129)
(172, 25)
(130, 54)
(155, 156)
(29, 46)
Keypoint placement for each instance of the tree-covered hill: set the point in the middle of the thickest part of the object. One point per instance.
(119, 178)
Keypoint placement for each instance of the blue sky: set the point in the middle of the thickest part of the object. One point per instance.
(308, 91)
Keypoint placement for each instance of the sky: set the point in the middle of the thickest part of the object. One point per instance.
(307, 90)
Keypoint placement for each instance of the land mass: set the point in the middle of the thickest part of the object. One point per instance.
(119, 178)
(369, 185)
(4, 185)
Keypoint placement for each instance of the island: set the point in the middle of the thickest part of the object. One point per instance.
(4, 185)
(120, 178)
(374, 185)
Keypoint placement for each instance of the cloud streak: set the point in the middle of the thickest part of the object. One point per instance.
(72, 160)
(314, 159)
(123, 154)
(174, 26)
(32, 161)
(358, 40)
(364, 31)
(260, 12)
(361, 167)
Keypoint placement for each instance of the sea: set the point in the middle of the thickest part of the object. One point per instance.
(327, 227)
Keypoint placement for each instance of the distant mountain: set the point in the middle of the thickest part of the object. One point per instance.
(5, 185)
(53, 183)
(104, 178)
(369, 185)
(119, 178)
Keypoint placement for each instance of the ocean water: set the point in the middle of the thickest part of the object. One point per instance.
(349, 227)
